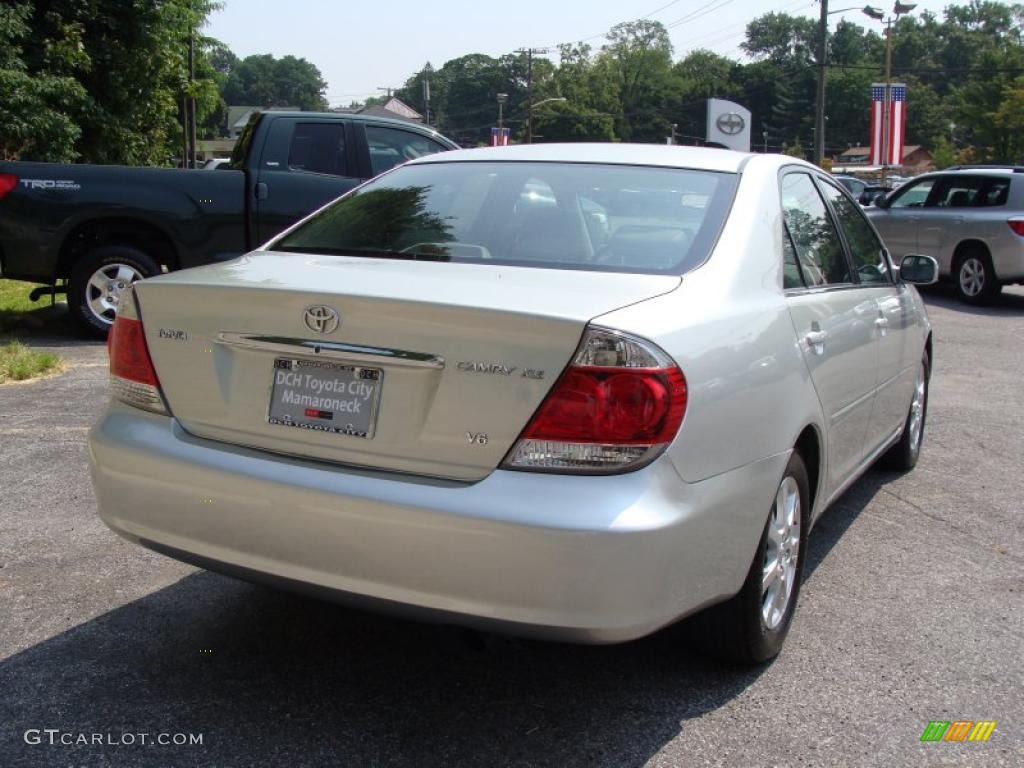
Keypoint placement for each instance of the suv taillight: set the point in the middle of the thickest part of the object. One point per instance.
(132, 376)
(1017, 225)
(616, 407)
(7, 182)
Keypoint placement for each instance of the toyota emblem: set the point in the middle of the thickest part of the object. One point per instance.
(321, 319)
(730, 123)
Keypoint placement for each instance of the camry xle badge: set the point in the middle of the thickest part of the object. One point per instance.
(477, 367)
(321, 318)
(172, 333)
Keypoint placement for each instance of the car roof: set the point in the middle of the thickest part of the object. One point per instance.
(663, 155)
(396, 122)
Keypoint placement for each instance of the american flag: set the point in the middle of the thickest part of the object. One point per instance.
(499, 137)
(888, 152)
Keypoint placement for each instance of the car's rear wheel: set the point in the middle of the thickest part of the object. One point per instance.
(904, 454)
(99, 280)
(976, 280)
(751, 627)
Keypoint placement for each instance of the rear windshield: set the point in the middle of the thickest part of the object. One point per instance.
(612, 218)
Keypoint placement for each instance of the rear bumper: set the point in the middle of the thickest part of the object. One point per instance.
(592, 559)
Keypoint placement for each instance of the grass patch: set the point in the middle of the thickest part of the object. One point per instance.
(19, 314)
(14, 296)
(18, 362)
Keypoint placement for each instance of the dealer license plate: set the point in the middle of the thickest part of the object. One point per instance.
(325, 396)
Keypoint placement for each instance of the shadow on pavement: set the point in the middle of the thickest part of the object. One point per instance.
(272, 678)
(1009, 302)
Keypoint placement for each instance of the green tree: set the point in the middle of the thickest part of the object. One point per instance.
(264, 81)
(638, 56)
(34, 114)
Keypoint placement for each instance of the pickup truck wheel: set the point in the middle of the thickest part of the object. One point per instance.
(976, 281)
(99, 279)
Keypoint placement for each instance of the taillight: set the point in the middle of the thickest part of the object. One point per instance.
(132, 376)
(1017, 225)
(7, 182)
(616, 407)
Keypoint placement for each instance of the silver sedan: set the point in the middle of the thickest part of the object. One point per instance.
(567, 391)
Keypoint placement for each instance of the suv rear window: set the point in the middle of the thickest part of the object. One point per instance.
(613, 218)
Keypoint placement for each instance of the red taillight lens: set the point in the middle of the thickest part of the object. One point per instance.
(133, 379)
(7, 182)
(612, 405)
(1017, 225)
(615, 408)
(129, 355)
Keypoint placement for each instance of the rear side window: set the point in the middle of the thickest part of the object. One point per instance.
(818, 247)
(612, 218)
(318, 148)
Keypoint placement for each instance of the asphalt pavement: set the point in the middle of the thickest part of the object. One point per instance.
(912, 611)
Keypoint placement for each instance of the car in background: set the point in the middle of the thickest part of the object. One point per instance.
(863, 192)
(970, 218)
(96, 229)
(216, 162)
(570, 391)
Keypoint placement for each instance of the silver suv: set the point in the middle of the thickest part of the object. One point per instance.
(970, 218)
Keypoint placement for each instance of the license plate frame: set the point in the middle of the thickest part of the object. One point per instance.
(296, 414)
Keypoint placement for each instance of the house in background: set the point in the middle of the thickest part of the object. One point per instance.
(239, 116)
(916, 159)
(394, 108)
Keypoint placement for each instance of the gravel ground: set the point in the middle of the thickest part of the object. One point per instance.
(912, 611)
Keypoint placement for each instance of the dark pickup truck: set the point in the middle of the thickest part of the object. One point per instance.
(93, 229)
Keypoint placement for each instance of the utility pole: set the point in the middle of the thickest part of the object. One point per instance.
(529, 89)
(191, 101)
(386, 90)
(819, 101)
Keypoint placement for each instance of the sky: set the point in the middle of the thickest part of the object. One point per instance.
(362, 46)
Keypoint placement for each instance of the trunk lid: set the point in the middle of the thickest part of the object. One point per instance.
(465, 352)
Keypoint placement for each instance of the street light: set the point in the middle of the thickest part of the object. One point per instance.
(899, 9)
(502, 101)
(529, 115)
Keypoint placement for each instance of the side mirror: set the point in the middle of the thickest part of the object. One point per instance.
(919, 270)
(881, 200)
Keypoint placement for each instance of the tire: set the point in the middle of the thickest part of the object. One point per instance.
(744, 629)
(975, 278)
(97, 281)
(904, 454)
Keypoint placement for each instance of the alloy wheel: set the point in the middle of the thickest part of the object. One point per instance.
(916, 425)
(105, 288)
(781, 554)
(972, 276)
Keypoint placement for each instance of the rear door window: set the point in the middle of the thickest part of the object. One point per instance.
(866, 250)
(956, 191)
(815, 238)
(318, 148)
(993, 192)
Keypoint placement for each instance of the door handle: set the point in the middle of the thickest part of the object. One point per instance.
(816, 341)
(261, 190)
